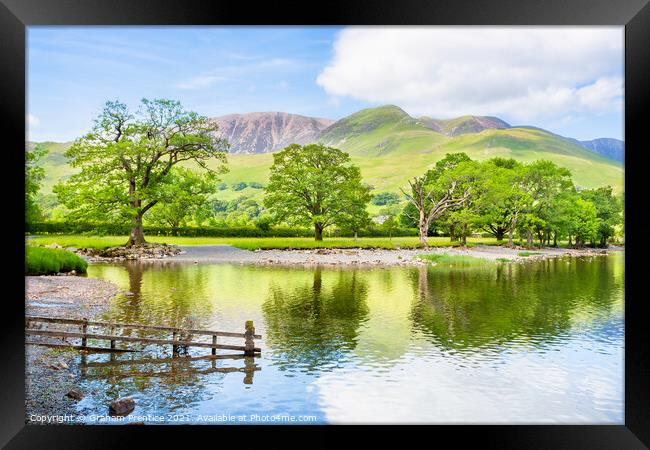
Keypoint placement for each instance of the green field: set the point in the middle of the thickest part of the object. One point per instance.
(77, 241)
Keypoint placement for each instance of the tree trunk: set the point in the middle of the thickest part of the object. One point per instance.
(356, 236)
(136, 237)
(423, 234)
(318, 231)
(423, 226)
(499, 234)
(555, 239)
(529, 238)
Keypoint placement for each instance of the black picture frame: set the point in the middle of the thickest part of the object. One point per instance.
(15, 15)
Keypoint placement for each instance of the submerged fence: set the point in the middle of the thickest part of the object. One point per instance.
(180, 339)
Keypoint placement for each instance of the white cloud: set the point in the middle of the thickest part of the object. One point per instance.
(525, 73)
(33, 121)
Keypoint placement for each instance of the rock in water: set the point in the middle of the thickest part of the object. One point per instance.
(121, 407)
(75, 394)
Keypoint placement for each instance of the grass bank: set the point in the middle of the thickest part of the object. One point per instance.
(78, 241)
(445, 260)
(44, 261)
(526, 254)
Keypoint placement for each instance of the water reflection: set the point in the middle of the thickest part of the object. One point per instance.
(315, 325)
(161, 294)
(540, 342)
(468, 310)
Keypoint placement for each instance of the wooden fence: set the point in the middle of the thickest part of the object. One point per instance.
(180, 337)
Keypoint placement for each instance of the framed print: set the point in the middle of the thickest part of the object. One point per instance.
(245, 219)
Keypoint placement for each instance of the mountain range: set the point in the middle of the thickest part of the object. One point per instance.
(264, 132)
(389, 146)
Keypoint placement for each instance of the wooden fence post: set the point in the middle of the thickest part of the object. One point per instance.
(174, 346)
(113, 340)
(214, 342)
(249, 345)
(84, 330)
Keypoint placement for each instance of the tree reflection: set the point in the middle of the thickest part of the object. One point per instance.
(535, 303)
(316, 324)
(175, 296)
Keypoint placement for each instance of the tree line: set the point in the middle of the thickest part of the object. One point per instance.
(130, 167)
(504, 197)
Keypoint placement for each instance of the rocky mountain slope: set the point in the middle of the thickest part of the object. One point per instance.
(608, 147)
(263, 132)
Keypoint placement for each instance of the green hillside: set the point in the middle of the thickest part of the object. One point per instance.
(390, 146)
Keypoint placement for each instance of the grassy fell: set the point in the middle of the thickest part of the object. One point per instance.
(44, 261)
(390, 147)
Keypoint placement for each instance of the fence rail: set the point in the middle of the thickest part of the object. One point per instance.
(181, 337)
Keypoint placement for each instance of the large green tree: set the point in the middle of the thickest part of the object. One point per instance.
(126, 160)
(504, 198)
(545, 183)
(609, 210)
(33, 177)
(315, 185)
(447, 186)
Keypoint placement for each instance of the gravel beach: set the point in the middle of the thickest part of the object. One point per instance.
(50, 373)
(379, 257)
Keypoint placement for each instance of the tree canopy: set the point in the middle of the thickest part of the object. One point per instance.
(125, 161)
(183, 196)
(315, 185)
(447, 186)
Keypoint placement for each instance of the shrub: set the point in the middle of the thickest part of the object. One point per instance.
(239, 186)
(385, 198)
(43, 261)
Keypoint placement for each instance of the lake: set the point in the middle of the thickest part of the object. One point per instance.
(541, 342)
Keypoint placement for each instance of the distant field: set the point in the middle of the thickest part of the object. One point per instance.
(252, 243)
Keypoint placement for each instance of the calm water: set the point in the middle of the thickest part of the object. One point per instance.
(535, 343)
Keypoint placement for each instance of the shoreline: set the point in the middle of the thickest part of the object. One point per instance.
(50, 373)
(225, 254)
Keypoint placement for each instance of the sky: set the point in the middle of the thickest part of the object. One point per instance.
(568, 80)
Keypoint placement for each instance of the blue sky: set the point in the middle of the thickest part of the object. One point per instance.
(568, 81)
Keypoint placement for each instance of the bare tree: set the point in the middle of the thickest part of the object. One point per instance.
(429, 208)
